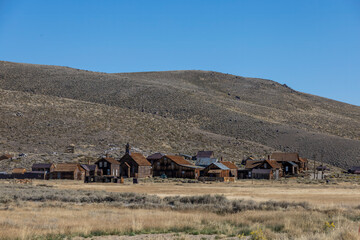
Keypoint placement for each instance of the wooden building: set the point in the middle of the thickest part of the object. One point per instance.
(135, 165)
(233, 168)
(91, 169)
(304, 164)
(263, 169)
(175, 167)
(108, 166)
(217, 170)
(45, 167)
(205, 158)
(70, 171)
(288, 161)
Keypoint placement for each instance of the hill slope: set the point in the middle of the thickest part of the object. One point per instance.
(266, 115)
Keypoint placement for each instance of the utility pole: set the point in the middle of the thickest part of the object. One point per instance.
(322, 164)
(314, 156)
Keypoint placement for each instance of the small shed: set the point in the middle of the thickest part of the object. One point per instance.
(135, 165)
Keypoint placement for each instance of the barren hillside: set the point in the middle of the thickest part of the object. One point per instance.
(170, 111)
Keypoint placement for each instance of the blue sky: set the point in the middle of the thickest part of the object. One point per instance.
(312, 46)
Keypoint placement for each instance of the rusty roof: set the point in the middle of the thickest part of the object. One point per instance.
(66, 167)
(252, 163)
(285, 157)
(140, 159)
(304, 160)
(229, 164)
(178, 159)
(273, 163)
(19, 170)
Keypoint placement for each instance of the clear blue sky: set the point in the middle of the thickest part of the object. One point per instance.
(312, 46)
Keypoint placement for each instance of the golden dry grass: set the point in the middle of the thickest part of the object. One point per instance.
(35, 219)
(318, 194)
(57, 220)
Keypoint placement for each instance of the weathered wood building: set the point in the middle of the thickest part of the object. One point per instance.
(217, 170)
(263, 169)
(46, 167)
(233, 168)
(291, 162)
(108, 166)
(70, 171)
(135, 165)
(175, 167)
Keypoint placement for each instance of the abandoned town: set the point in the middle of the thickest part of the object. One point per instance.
(76, 166)
(179, 120)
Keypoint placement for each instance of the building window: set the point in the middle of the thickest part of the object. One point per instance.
(105, 164)
(265, 165)
(116, 172)
(100, 164)
(108, 172)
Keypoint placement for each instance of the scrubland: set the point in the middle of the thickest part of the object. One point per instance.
(70, 209)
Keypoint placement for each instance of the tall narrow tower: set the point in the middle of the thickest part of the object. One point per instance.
(127, 150)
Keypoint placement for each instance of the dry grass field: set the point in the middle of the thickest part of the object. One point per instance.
(180, 210)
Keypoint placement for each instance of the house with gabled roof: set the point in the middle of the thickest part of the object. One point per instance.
(233, 168)
(217, 170)
(108, 166)
(134, 165)
(291, 162)
(173, 166)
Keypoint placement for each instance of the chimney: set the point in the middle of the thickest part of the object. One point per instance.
(89, 162)
(221, 159)
(127, 150)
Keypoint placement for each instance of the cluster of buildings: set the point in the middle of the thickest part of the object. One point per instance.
(204, 166)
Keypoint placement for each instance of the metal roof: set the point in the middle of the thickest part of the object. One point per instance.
(229, 165)
(221, 166)
(205, 161)
(191, 166)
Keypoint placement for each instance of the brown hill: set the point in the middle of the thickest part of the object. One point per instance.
(233, 115)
